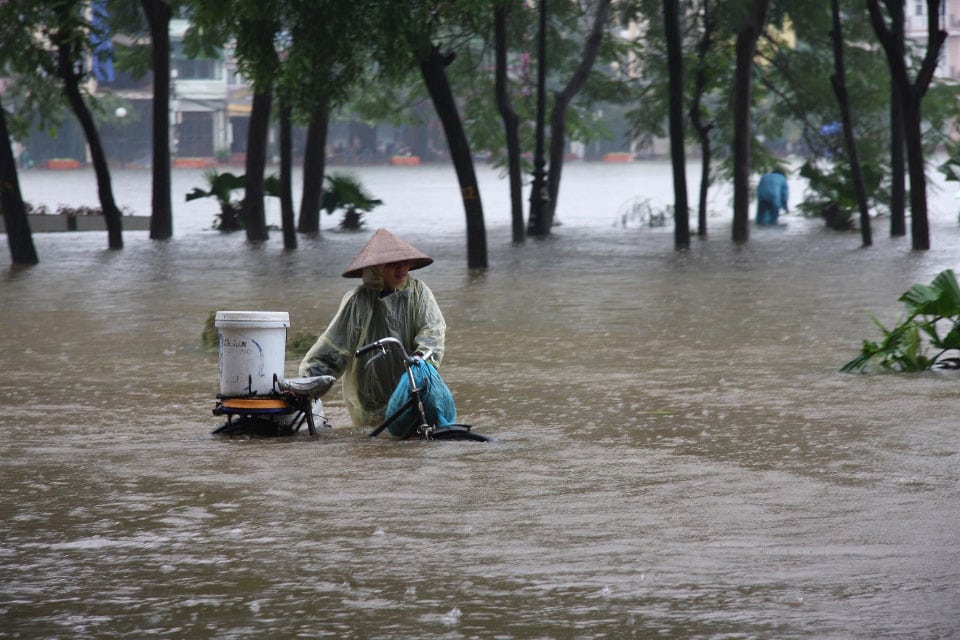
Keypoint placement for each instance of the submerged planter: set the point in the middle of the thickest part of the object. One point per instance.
(62, 163)
(49, 223)
(405, 161)
(194, 163)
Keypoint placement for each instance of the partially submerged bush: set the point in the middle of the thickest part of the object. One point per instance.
(345, 192)
(831, 195)
(931, 308)
(211, 335)
(221, 186)
(640, 212)
(299, 344)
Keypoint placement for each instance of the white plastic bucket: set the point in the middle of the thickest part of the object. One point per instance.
(252, 350)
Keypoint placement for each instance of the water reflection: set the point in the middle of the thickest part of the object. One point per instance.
(678, 455)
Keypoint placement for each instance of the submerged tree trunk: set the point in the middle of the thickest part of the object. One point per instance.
(511, 126)
(66, 57)
(19, 238)
(747, 34)
(562, 100)
(838, 80)
(161, 219)
(314, 167)
(286, 188)
(681, 216)
(912, 95)
(432, 67)
(254, 216)
(913, 130)
(898, 166)
(696, 118)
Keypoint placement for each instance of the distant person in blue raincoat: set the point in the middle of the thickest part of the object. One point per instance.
(772, 195)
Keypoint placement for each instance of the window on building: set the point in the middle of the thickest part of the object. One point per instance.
(196, 68)
(195, 135)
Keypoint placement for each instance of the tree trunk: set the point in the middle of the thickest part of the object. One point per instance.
(558, 116)
(898, 166)
(911, 94)
(314, 167)
(681, 215)
(747, 34)
(432, 67)
(158, 16)
(71, 84)
(19, 238)
(703, 129)
(511, 125)
(286, 170)
(838, 80)
(254, 216)
(913, 132)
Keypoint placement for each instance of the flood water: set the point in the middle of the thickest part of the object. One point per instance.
(677, 455)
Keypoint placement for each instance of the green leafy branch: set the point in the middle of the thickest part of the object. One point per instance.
(905, 346)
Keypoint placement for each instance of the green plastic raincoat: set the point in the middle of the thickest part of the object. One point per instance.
(409, 314)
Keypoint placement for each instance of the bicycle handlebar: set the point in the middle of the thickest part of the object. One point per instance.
(384, 343)
(379, 344)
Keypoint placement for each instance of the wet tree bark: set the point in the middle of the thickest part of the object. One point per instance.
(911, 94)
(558, 115)
(19, 238)
(314, 167)
(158, 17)
(66, 59)
(254, 216)
(746, 45)
(696, 117)
(511, 125)
(898, 165)
(898, 191)
(838, 80)
(286, 178)
(681, 213)
(433, 70)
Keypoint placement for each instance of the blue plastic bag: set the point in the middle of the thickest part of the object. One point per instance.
(437, 400)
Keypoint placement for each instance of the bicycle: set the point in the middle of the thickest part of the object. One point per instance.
(424, 430)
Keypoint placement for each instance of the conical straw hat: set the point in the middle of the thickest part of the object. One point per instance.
(384, 248)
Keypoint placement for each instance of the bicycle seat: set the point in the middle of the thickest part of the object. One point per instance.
(312, 386)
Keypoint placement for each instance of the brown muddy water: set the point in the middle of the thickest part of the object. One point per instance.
(677, 455)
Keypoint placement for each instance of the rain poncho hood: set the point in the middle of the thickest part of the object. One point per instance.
(410, 314)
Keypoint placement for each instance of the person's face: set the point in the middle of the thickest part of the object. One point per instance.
(394, 274)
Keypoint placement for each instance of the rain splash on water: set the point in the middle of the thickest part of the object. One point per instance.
(677, 454)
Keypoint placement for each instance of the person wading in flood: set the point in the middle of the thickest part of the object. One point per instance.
(772, 195)
(387, 303)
